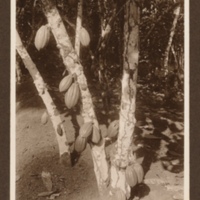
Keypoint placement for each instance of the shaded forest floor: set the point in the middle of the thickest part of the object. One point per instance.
(159, 130)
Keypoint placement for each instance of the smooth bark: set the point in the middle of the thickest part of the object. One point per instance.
(78, 26)
(124, 155)
(63, 138)
(73, 65)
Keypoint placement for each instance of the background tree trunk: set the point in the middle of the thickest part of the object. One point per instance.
(172, 32)
(78, 26)
(18, 72)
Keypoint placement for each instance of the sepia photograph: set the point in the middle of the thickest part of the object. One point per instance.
(100, 100)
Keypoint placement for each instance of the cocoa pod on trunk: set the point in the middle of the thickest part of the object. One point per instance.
(42, 37)
(131, 176)
(86, 129)
(65, 83)
(72, 95)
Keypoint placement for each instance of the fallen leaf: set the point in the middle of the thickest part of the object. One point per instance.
(44, 194)
(18, 177)
(53, 196)
(44, 118)
(174, 188)
(178, 196)
(46, 178)
(175, 162)
(179, 126)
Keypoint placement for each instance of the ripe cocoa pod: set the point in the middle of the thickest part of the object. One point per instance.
(104, 130)
(80, 144)
(84, 37)
(65, 83)
(113, 129)
(42, 37)
(72, 95)
(86, 130)
(139, 171)
(95, 135)
(44, 118)
(131, 176)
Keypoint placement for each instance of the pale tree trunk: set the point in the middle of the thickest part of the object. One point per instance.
(78, 26)
(172, 32)
(181, 59)
(18, 72)
(73, 65)
(175, 57)
(63, 138)
(124, 155)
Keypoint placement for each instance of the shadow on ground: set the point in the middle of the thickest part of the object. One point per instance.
(76, 182)
(161, 133)
(159, 130)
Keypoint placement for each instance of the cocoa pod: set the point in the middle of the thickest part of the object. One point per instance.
(42, 37)
(65, 83)
(72, 95)
(80, 144)
(104, 130)
(113, 129)
(86, 130)
(131, 176)
(139, 171)
(44, 118)
(95, 135)
(84, 37)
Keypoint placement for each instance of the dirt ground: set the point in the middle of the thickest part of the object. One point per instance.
(159, 130)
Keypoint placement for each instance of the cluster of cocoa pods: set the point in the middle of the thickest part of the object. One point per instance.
(134, 174)
(112, 130)
(70, 87)
(87, 132)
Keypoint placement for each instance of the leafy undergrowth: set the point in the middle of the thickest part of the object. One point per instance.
(159, 133)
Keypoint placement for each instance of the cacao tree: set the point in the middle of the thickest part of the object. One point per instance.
(41, 87)
(121, 176)
(114, 29)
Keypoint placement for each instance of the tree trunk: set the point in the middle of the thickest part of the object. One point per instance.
(63, 138)
(73, 65)
(172, 32)
(78, 27)
(124, 155)
(18, 72)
